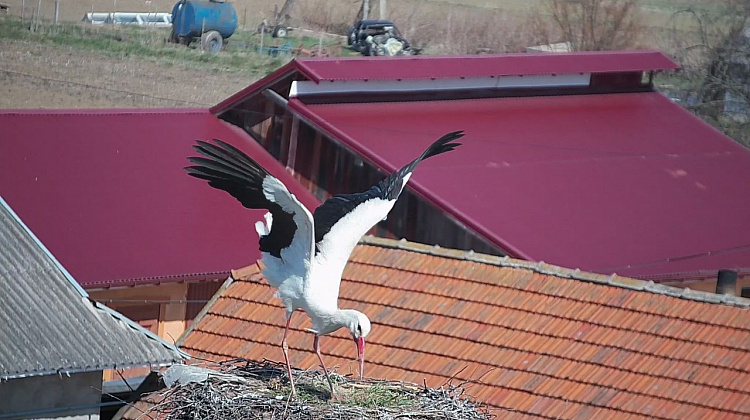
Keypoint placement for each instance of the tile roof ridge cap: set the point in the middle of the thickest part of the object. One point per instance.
(541, 267)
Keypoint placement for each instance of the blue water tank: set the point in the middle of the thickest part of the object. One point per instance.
(193, 18)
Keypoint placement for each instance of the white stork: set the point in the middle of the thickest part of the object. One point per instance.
(305, 254)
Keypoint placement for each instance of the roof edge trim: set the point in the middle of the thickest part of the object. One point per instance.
(258, 86)
(64, 371)
(306, 88)
(426, 67)
(548, 269)
(167, 279)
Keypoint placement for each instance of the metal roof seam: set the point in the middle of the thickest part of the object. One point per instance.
(542, 268)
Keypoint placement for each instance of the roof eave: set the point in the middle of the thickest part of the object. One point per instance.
(294, 66)
(156, 280)
(73, 371)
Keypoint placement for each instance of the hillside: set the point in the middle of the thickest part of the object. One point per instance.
(74, 66)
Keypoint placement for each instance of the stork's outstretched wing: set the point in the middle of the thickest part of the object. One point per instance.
(227, 168)
(342, 220)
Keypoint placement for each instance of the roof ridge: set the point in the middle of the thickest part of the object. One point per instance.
(549, 269)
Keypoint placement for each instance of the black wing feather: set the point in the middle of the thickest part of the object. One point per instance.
(227, 168)
(389, 188)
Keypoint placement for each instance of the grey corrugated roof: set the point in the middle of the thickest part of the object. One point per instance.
(49, 325)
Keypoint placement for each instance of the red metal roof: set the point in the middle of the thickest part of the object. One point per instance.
(459, 67)
(438, 67)
(106, 193)
(628, 183)
(531, 340)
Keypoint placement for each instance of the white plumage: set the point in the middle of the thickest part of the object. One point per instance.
(305, 254)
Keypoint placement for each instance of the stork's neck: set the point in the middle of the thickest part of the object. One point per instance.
(330, 321)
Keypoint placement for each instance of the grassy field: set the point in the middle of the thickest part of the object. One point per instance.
(241, 54)
(436, 26)
(190, 77)
(252, 12)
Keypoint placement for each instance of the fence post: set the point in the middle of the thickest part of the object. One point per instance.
(38, 15)
(262, 35)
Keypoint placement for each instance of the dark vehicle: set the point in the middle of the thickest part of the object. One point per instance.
(378, 37)
(211, 21)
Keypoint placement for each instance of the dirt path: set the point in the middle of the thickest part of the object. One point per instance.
(45, 76)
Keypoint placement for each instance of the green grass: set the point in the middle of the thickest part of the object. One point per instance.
(380, 396)
(240, 56)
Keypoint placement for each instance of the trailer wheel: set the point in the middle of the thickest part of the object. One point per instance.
(211, 42)
(279, 32)
(173, 37)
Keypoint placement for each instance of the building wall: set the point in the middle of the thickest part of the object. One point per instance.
(159, 308)
(53, 396)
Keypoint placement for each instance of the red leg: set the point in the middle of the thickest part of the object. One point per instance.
(286, 353)
(316, 344)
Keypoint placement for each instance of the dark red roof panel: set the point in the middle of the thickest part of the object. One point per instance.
(439, 67)
(106, 192)
(626, 183)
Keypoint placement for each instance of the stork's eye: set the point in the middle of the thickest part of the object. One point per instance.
(359, 330)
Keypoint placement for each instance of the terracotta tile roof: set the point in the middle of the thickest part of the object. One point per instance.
(535, 339)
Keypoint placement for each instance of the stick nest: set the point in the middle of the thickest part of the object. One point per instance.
(245, 389)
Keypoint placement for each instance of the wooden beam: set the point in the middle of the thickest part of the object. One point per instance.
(286, 130)
(315, 163)
(266, 127)
(292, 152)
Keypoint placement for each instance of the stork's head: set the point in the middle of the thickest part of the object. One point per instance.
(359, 327)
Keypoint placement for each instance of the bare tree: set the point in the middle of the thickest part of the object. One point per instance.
(588, 25)
(285, 15)
(370, 5)
(716, 62)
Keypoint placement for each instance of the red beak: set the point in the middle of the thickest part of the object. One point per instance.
(361, 354)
